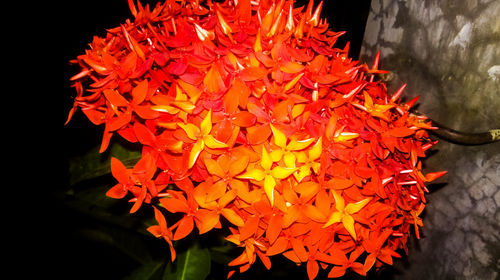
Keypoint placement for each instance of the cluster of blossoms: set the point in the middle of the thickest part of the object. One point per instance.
(251, 121)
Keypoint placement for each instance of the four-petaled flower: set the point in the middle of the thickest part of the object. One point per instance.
(202, 137)
(267, 173)
(344, 213)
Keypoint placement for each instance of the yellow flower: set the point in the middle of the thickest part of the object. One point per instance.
(344, 213)
(201, 136)
(286, 151)
(265, 172)
(376, 110)
(309, 160)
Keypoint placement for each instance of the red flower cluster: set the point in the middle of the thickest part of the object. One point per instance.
(250, 120)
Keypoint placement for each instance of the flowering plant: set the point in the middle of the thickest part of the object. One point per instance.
(252, 122)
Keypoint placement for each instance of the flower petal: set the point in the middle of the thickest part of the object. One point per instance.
(266, 160)
(339, 201)
(289, 160)
(254, 174)
(282, 172)
(119, 171)
(213, 143)
(335, 217)
(206, 124)
(274, 228)
(185, 227)
(279, 246)
(316, 150)
(352, 208)
(348, 222)
(115, 98)
(214, 168)
(192, 131)
(139, 92)
(297, 145)
(258, 134)
(206, 220)
(279, 137)
(238, 165)
(232, 217)
(195, 152)
(269, 184)
(244, 119)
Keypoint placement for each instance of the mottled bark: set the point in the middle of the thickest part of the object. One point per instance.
(449, 54)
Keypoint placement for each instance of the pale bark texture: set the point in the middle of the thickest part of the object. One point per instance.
(448, 52)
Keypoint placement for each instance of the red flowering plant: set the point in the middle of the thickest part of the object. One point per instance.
(252, 122)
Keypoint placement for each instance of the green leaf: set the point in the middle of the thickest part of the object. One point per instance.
(193, 264)
(94, 164)
(146, 271)
(128, 242)
(91, 201)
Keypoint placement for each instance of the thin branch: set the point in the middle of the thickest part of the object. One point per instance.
(464, 138)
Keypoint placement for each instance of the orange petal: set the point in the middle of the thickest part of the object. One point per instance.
(193, 92)
(293, 82)
(274, 228)
(238, 165)
(213, 80)
(206, 220)
(279, 246)
(258, 134)
(314, 214)
(184, 228)
(339, 183)
(115, 98)
(214, 168)
(401, 132)
(292, 67)
(312, 269)
(118, 191)
(244, 119)
(249, 228)
(307, 189)
(119, 171)
(337, 271)
(139, 200)
(253, 73)
(146, 112)
(139, 92)
(174, 205)
(299, 249)
(232, 217)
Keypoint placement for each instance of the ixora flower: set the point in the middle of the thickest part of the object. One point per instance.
(252, 122)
